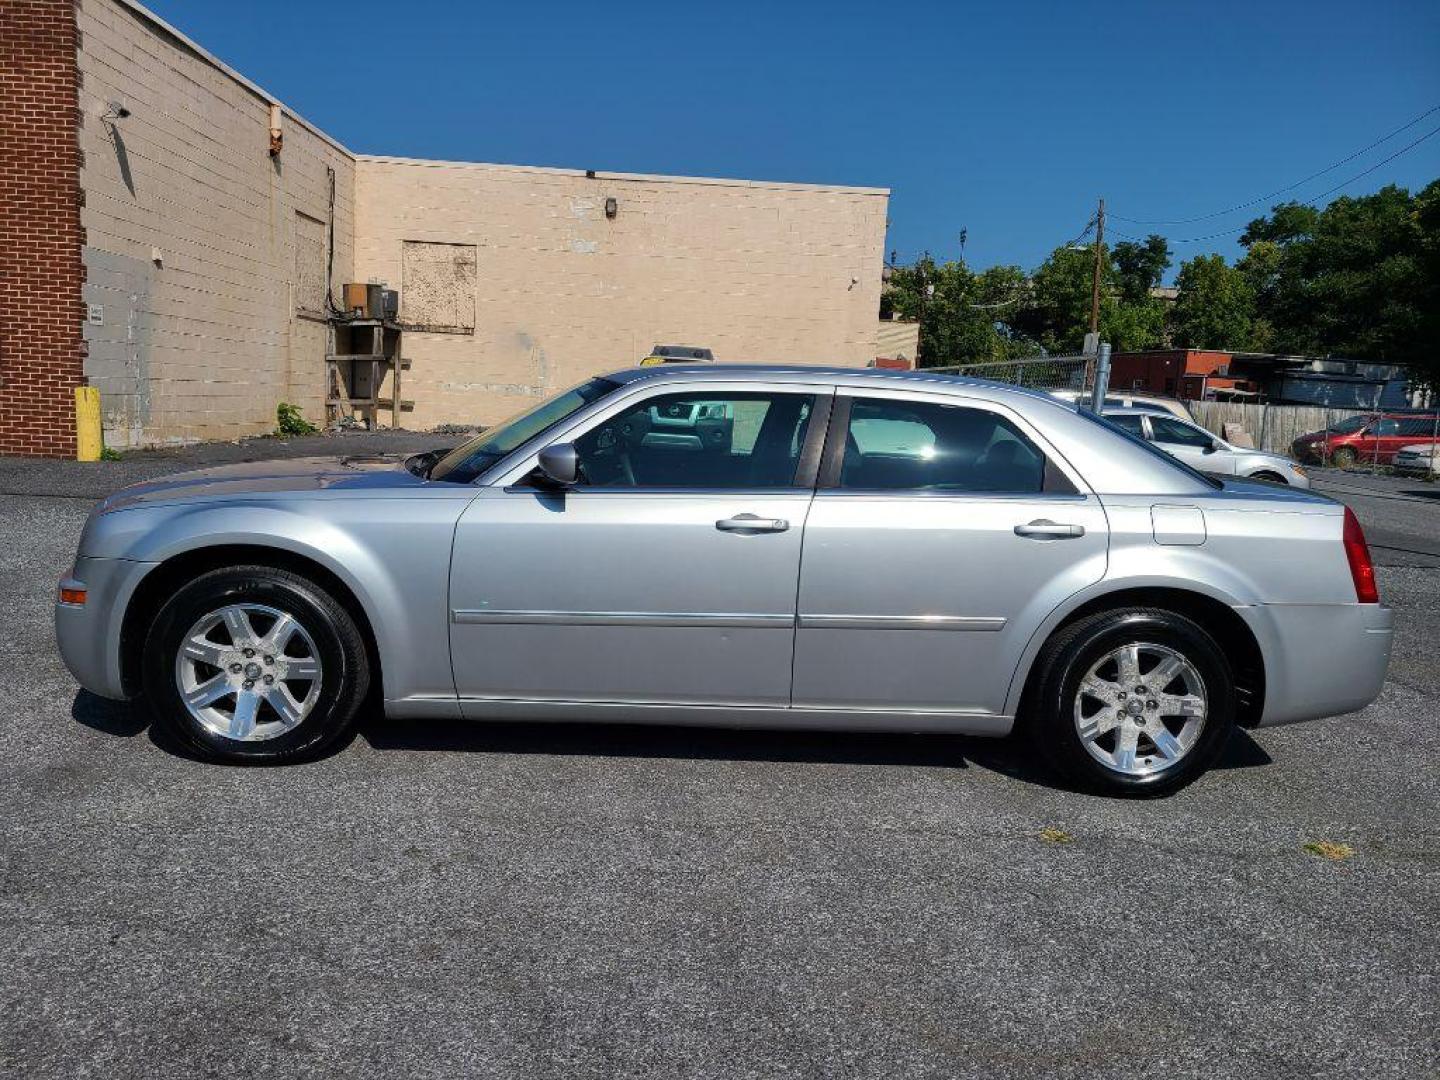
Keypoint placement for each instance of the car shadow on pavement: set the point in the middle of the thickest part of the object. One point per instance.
(1011, 757)
(118, 718)
(127, 719)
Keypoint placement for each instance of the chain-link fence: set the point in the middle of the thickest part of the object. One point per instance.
(1070, 373)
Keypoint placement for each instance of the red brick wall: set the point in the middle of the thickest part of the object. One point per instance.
(42, 348)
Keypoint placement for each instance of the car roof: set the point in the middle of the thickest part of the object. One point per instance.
(844, 375)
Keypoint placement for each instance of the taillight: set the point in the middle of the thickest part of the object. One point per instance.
(1362, 570)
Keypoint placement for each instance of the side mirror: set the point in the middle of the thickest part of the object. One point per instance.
(560, 464)
(1212, 447)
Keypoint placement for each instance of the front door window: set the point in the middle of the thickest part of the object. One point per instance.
(699, 439)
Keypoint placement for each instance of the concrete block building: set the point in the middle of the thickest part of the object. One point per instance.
(169, 232)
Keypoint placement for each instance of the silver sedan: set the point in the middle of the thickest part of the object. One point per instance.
(744, 546)
(1209, 453)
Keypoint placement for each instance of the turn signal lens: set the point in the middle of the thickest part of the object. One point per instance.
(1362, 570)
(71, 596)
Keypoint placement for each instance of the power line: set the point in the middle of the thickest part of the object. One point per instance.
(1289, 187)
(1310, 202)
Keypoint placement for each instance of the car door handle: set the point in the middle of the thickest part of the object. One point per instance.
(1044, 529)
(752, 523)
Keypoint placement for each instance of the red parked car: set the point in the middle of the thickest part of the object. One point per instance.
(1374, 438)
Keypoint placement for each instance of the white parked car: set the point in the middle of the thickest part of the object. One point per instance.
(1418, 459)
(1209, 453)
(1123, 400)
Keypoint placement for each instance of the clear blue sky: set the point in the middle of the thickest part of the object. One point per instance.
(1007, 119)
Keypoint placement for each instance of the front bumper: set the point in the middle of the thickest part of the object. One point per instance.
(1416, 467)
(1321, 659)
(89, 634)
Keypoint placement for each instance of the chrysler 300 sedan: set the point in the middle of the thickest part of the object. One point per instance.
(742, 546)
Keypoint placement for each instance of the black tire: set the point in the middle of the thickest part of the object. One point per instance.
(1066, 658)
(1343, 458)
(1272, 477)
(338, 644)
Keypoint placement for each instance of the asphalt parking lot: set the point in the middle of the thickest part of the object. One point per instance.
(439, 899)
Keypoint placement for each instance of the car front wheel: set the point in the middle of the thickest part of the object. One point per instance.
(255, 664)
(1133, 702)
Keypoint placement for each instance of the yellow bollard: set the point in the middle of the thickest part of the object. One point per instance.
(89, 439)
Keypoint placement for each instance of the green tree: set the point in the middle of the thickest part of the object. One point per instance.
(962, 314)
(1059, 310)
(1139, 267)
(1058, 316)
(1216, 305)
(1427, 223)
(1359, 279)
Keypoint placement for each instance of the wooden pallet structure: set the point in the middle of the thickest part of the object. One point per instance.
(361, 355)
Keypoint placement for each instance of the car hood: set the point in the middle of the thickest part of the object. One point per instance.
(301, 476)
(1265, 455)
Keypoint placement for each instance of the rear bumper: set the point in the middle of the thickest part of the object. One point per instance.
(1320, 659)
(89, 634)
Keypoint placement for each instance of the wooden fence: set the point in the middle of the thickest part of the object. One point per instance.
(1270, 427)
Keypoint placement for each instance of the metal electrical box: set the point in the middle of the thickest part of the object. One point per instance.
(371, 301)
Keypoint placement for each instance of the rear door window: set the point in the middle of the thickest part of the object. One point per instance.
(896, 445)
(1177, 434)
(1417, 426)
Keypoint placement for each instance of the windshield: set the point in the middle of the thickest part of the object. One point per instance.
(1151, 448)
(466, 462)
(1349, 426)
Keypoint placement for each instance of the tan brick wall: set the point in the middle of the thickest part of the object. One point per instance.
(205, 342)
(897, 340)
(41, 350)
(203, 257)
(756, 271)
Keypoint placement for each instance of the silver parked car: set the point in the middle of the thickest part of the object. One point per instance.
(1418, 459)
(1209, 453)
(866, 549)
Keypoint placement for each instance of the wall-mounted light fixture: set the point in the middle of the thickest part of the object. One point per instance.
(277, 136)
(113, 111)
(611, 208)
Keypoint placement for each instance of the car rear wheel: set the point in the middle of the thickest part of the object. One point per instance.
(1133, 702)
(255, 664)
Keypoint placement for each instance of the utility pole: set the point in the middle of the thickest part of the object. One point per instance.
(1095, 287)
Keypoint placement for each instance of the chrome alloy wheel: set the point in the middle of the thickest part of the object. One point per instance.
(248, 672)
(1140, 709)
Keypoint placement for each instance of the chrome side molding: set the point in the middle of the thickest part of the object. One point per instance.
(621, 618)
(983, 623)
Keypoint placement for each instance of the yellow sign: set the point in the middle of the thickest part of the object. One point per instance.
(89, 439)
